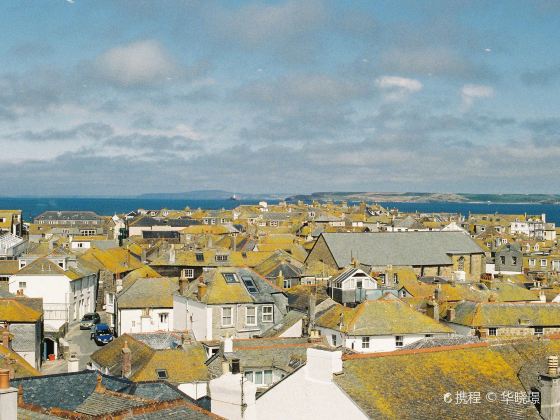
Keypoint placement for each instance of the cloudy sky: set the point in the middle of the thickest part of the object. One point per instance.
(126, 97)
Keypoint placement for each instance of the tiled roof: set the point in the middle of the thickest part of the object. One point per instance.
(14, 310)
(10, 359)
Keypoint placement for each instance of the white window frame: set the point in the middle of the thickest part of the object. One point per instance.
(492, 332)
(22, 284)
(230, 316)
(250, 376)
(163, 317)
(253, 316)
(268, 313)
(399, 341)
(532, 262)
(188, 273)
(543, 260)
(365, 342)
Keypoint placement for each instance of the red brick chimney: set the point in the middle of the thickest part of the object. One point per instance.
(126, 361)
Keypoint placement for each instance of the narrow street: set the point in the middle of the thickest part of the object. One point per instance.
(80, 344)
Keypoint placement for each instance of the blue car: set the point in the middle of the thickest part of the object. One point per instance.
(101, 334)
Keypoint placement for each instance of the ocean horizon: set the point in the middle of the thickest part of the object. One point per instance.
(33, 206)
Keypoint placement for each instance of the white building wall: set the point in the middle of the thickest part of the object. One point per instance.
(295, 330)
(132, 321)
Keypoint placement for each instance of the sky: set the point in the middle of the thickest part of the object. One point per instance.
(128, 97)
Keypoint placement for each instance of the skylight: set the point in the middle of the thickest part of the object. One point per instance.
(250, 284)
(162, 373)
(230, 278)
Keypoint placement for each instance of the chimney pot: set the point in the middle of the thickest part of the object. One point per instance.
(4, 379)
(6, 338)
(552, 365)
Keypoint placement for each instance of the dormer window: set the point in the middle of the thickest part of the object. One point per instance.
(221, 257)
(199, 256)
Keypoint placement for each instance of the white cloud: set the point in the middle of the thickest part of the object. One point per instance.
(470, 93)
(397, 88)
(142, 62)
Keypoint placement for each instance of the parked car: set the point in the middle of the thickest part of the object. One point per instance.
(89, 320)
(101, 334)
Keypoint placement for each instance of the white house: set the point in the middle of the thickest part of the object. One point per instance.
(146, 305)
(385, 324)
(68, 293)
(11, 246)
(350, 285)
(309, 392)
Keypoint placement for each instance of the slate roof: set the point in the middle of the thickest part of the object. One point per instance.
(80, 394)
(431, 342)
(156, 292)
(221, 292)
(183, 365)
(285, 354)
(68, 215)
(384, 316)
(15, 310)
(289, 320)
(399, 248)
(412, 384)
(498, 314)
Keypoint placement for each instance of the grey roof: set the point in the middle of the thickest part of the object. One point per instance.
(431, 342)
(159, 340)
(102, 403)
(24, 337)
(399, 248)
(69, 215)
(290, 319)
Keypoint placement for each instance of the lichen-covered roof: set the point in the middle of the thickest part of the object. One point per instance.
(13, 310)
(10, 359)
(499, 314)
(220, 292)
(182, 365)
(380, 317)
(411, 384)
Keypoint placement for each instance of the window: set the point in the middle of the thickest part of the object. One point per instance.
(163, 317)
(532, 262)
(287, 283)
(514, 260)
(249, 284)
(333, 339)
(259, 377)
(221, 257)
(199, 256)
(492, 332)
(230, 277)
(22, 284)
(250, 315)
(543, 263)
(399, 341)
(358, 284)
(268, 313)
(428, 335)
(226, 316)
(461, 264)
(539, 331)
(162, 373)
(188, 273)
(502, 259)
(365, 342)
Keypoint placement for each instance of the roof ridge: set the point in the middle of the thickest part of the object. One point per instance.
(414, 351)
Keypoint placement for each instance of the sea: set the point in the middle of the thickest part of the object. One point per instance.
(33, 206)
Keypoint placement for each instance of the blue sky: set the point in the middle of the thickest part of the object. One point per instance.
(126, 97)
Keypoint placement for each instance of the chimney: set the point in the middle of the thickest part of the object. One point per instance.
(6, 338)
(321, 364)
(432, 309)
(182, 285)
(311, 308)
(550, 390)
(225, 367)
(73, 363)
(233, 397)
(228, 345)
(450, 314)
(126, 361)
(280, 280)
(235, 366)
(201, 291)
(8, 397)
